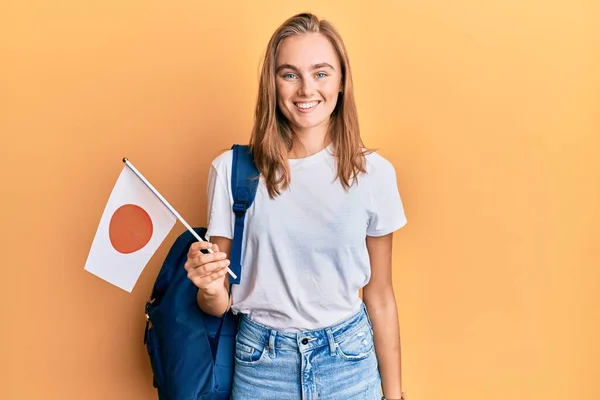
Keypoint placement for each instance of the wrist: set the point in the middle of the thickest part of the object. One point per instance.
(402, 397)
(214, 303)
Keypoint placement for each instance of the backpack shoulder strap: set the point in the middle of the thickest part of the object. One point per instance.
(244, 182)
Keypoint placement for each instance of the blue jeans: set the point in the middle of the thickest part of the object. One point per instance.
(335, 363)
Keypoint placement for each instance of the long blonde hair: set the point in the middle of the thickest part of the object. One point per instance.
(272, 136)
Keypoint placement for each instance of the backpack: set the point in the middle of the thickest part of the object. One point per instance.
(191, 352)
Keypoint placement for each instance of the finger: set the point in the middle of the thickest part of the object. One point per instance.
(212, 277)
(196, 247)
(201, 269)
(202, 258)
(206, 280)
(209, 268)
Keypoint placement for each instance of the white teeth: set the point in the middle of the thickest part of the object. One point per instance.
(307, 105)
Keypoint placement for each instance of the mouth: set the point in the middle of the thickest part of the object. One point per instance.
(306, 106)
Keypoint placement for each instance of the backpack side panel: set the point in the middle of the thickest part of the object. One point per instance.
(178, 340)
(191, 352)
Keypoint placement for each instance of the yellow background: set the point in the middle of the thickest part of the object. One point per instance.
(489, 111)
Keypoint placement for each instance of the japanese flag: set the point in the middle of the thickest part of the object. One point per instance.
(134, 224)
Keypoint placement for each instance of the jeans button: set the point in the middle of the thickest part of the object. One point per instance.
(304, 341)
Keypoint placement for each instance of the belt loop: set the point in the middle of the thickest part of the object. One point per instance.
(332, 343)
(272, 343)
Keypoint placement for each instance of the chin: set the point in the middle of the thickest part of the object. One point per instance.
(308, 124)
(309, 121)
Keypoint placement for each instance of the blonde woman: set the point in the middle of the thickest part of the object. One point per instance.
(320, 229)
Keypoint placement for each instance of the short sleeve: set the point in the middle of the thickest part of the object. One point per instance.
(219, 213)
(386, 213)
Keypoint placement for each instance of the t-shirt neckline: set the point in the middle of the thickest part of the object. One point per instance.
(310, 159)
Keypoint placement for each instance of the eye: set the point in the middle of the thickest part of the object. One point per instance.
(289, 75)
(321, 75)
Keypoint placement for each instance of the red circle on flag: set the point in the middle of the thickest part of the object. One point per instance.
(130, 228)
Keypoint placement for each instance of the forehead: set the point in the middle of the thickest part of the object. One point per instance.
(305, 50)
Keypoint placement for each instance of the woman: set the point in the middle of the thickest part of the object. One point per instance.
(320, 229)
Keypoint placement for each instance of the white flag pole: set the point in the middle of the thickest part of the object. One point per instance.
(166, 203)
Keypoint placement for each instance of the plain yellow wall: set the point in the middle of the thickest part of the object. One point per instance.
(489, 111)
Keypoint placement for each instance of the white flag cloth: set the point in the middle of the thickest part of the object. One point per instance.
(134, 224)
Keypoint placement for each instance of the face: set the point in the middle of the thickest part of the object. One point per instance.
(308, 81)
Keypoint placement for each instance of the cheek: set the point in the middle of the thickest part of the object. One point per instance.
(283, 92)
(330, 90)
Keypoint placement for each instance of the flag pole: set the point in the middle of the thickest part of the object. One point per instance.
(169, 207)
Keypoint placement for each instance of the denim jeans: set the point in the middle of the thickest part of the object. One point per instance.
(335, 363)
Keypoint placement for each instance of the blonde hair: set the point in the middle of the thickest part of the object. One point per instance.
(272, 137)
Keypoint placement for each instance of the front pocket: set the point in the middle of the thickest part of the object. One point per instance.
(357, 346)
(246, 352)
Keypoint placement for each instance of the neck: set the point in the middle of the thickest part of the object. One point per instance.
(309, 142)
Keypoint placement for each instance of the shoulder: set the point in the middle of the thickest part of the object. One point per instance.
(222, 162)
(378, 165)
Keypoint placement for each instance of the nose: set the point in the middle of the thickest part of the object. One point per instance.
(307, 88)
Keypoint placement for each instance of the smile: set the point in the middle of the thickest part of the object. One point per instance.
(306, 106)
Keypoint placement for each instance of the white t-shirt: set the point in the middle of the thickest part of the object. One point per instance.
(304, 255)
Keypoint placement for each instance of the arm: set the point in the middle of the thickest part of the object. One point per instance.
(380, 301)
(209, 273)
(217, 302)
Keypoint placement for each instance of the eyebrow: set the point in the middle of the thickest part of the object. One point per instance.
(312, 67)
